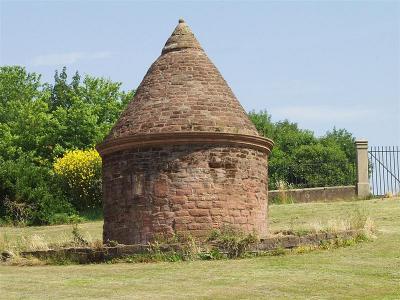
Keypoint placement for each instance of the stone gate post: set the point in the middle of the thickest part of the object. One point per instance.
(362, 168)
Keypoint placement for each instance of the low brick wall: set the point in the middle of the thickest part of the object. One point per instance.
(319, 194)
(90, 255)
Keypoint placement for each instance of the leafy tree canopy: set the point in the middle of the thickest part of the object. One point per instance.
(46, 120)
(301, 159)
(40, 122)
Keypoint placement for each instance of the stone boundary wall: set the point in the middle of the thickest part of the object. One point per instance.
(318, 194)
(86, 255)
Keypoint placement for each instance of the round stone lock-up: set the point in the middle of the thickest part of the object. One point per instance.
(183, 157)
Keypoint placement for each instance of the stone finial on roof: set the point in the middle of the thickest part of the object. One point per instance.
(181, 38)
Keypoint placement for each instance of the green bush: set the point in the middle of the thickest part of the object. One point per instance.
(319, 165)
(64, 218)
(29, 194)
(232, 241)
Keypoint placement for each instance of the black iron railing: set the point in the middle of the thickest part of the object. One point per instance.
(384, 170)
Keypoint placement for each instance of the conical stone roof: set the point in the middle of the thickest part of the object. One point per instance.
(182, 94)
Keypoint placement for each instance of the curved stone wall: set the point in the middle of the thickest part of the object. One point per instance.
(183, 188)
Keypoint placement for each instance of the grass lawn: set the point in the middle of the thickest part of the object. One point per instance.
(369, 270)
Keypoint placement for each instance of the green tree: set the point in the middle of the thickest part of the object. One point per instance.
(319, 165)
(16, 87)
(344, 140)
(301, 159)
(24, 115)
(40, 122)
(84, 111)
(262, 121)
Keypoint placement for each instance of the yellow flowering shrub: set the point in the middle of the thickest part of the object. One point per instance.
(79, 172)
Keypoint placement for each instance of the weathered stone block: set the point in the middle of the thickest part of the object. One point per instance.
(160, 188)
(199, 212)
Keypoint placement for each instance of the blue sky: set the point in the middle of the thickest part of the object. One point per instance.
(321, 64)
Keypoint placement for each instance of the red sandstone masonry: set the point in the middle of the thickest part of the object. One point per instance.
(237, 199)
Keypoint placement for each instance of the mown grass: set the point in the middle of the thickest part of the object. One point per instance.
(369, 270)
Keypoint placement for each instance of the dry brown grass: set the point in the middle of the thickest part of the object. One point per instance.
(354, 219)
(35, 242)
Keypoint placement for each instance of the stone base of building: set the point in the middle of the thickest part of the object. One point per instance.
(183, 189)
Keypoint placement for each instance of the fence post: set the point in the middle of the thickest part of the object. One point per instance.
(363, 190)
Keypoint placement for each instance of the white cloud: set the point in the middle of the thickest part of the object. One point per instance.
(321, 113)
(62, 59)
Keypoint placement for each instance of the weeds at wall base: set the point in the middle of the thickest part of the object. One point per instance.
(216, 254)
(227, 243)
(157, 255)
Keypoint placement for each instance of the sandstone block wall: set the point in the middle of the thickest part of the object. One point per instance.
(183, 188)
(319, 194)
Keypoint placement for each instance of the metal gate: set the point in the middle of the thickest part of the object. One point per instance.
(384, 170)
